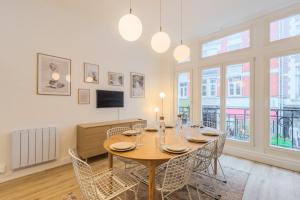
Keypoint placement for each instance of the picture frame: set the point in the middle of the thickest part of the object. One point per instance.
(91, 73)
(84, 96)
(53, 75)
(137, 85)
(115, 79)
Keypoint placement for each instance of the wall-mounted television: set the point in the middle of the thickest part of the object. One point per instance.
(110, 99)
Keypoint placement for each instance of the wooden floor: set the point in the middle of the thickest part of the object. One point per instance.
(264, 183)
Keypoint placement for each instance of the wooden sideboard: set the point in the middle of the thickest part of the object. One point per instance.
(90, 137)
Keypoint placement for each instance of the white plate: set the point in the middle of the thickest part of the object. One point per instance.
(210, 133)
(194, 139)
(176, 148)
(122, 145)
(122, 150)
(177, 152)
(130, 132)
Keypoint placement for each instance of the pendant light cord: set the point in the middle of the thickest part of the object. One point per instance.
(130, 10)
(160, 27)
(181, 21)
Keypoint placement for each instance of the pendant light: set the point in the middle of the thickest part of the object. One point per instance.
(160, 41)
(181, 52)
(130, 26)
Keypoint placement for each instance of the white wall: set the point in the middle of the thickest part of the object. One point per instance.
(260, 52)
(84, 31)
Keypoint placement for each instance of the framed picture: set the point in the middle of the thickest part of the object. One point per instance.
(91, 73)
(83, 96)
(54, 75)
(137, 85)
(115, 79)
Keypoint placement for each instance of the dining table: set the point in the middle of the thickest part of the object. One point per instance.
(150, 153)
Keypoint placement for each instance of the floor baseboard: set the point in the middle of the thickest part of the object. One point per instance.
(263, 158)
(34, 169)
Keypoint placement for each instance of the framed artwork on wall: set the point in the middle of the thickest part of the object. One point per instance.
(83, 96)
(137, 85)
(91, 73)
(115, 79)
(53, 75)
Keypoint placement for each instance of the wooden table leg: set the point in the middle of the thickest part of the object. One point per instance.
(151, 186)
(110, 160)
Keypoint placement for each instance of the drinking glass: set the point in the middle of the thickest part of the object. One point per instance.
(139, 135)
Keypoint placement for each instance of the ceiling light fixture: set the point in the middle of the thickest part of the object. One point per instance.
(160, 41)
(181, 52)
(130, 26)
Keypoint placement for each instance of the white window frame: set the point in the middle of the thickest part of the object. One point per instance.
(248, 28)
(277, 19)
(268, 20)
(280, 151)
(176, 92)
(220, 92)
(223, 88)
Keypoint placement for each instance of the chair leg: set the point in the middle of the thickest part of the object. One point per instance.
(223, 174)
(207, 192)
(189, 193)
(136, 192)
(162, 195)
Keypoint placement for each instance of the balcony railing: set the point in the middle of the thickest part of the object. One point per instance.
(285, 128)
(237, 125)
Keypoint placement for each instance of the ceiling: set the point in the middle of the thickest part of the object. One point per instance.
(205, 16)
(201, 17)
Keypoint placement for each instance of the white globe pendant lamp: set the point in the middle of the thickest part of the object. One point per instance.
(160, 41)
(130, 26)
(181, 52)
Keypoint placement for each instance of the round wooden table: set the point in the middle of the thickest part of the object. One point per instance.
(150, 154)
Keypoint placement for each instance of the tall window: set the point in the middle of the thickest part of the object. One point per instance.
(237, 110)
(184, 95)
(285, 28)
(285, 101)
(211, 103)
(226, 44)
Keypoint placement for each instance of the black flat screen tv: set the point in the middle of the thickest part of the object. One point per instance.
(110, 99)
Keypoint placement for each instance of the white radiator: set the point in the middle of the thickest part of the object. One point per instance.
(33, 146)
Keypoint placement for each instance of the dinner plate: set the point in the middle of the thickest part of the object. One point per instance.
(177, 152)
(210, 133)
(130, 132)
(176, 148)
(198, 140)
(122, 150)
(122, 146)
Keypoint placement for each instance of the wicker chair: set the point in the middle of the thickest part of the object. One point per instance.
(116, 131)
(139, 126)
(172, 176)
(105, 185)
(220, 148)
(203, 161)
